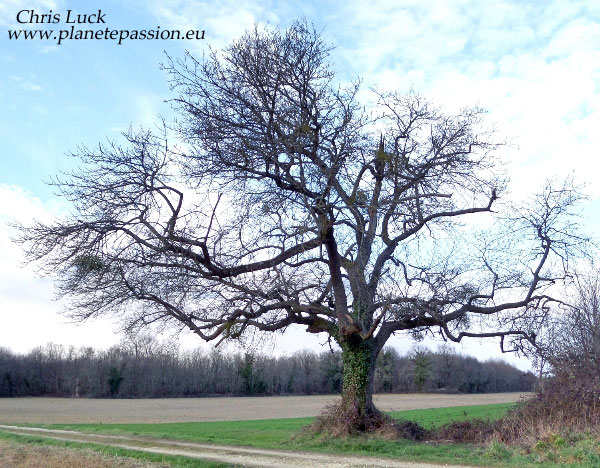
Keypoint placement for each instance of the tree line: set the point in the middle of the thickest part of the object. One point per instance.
(146, 368)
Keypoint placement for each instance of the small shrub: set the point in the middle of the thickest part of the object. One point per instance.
(497, 451)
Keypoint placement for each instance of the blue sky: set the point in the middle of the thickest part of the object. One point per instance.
(534, 65)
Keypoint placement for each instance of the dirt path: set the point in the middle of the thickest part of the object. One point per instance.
(87, 410)
(237, 456)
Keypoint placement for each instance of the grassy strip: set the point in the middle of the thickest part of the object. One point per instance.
(437, 417)
(582, 451)
(170, 460)
(283, 434)
(276, 433)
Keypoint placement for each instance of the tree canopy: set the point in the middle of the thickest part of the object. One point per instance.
(291, 198)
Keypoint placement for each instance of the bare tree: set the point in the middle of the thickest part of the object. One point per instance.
(288, 201)
(570, 341)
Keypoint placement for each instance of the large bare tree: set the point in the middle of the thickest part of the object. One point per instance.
(288, 201)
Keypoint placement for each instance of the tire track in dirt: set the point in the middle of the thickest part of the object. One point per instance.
(237, 456)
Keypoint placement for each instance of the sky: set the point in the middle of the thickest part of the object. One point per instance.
(534, 65)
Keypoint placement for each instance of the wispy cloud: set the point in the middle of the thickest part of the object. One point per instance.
(534, 65)
(29, 86)
(223, 21)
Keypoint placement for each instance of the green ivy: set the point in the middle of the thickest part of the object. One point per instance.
(358, 360)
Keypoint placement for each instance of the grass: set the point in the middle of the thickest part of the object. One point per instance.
(283, 434)
(579, 450)
(437, 417)
(276, 433)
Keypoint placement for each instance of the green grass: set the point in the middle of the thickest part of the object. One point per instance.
(436, 417)
(170, 460)
(283, 434)
(581, 451)
(276, 433)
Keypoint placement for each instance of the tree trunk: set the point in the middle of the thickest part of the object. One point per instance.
(359, 370)
(356, 412)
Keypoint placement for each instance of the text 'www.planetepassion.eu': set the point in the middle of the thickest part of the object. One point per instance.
(84, 26)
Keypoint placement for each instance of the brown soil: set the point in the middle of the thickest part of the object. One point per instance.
(83, 410)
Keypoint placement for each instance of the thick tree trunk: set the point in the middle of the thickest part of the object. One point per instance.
(359, 370)
(356, 411)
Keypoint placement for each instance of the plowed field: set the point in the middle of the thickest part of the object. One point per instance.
(83, 410)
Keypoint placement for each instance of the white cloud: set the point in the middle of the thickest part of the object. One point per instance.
(535, 67)
(222, 21)
(28, 86)
(49, 49)
(577, 37)
(147, 110)
(28, 312)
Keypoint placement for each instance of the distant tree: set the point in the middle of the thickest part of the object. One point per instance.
(252, 380)
(88, 373)
(115, 379)
(332, 371)
(385, 370)
(308, 364)
(421, 368)
(568, 400)
(446, 368)
(289, 201)
(293, 371)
